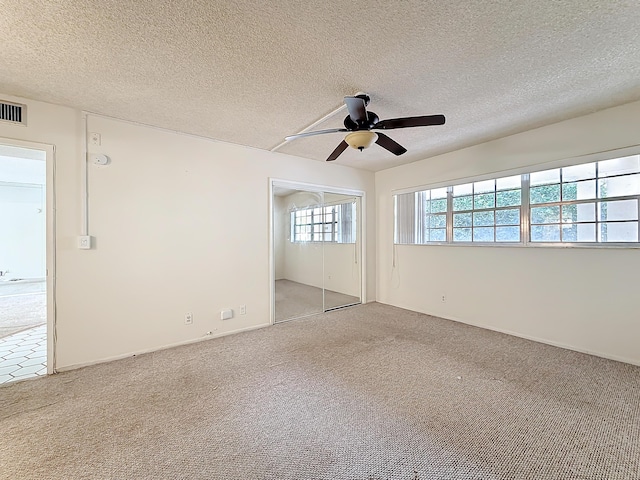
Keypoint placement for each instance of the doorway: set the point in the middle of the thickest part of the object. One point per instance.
(25, 237)
(317, 250)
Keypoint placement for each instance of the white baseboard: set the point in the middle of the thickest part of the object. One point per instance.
(617, 358)
(157, 349)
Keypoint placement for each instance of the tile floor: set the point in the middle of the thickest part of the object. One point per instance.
(23, 354)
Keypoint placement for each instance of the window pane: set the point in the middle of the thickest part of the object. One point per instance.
(579, 172)
(584, 232)
(545, 233)
(569, 233)
(545, 194)
(437, 221)
(507, 234)
(484, 200)
(619, 166)
(509, 183)
(439, 205)
(427, 206)
(462, 220)
(510, 198)
(618, 210)
(462, 203)
(438, 235)
(485, 186)
(583, 212)
(461, 234)
(619, 186)
(466, 189)
(508, 217)
(483, 234)
(439, 193)
(579, 190)
(327, 237)
(317, 212)
(543, 178)
(545, 215)
(317, 228)
(483, 219)
(619, 232)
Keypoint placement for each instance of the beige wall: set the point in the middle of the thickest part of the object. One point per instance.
(22, 231)
(180, 225)
(582, 298)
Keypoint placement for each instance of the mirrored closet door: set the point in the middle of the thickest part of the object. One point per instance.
(341, 248)
(316, 251)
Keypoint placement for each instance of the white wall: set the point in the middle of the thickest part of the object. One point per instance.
(582, 298)
(180, 225)
(22, 231)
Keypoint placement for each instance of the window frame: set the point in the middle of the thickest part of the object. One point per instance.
(494, 209)
(335, 224)
(525, 207)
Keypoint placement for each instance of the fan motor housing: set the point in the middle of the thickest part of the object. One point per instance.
(372, 119)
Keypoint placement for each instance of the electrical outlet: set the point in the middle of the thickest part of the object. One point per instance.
(243, 309)
(95, 138)
(443, 299)
(188, 318)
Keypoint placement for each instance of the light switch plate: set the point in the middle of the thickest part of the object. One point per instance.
(84, 242)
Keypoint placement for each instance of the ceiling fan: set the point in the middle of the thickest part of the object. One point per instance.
(360, 122)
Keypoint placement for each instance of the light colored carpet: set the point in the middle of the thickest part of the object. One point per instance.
(368, 392)
(294, 300)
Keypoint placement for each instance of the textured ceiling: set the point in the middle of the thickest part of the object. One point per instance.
(252, 72)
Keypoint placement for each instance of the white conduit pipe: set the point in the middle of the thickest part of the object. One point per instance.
(313, 125)
(84, 174)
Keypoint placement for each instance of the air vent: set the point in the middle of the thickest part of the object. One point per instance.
(13, 113)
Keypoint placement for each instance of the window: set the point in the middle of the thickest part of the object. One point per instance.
(329, 223)
(433, 210)
(487, 211)
(591, 203)
(594, 202)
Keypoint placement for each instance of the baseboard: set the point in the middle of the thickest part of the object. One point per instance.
(157, 349)
(545, 341)
(556, 344)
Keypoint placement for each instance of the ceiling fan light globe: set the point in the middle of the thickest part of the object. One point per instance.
(361, 139)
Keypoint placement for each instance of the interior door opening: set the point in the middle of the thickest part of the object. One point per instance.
(317, 251)
(23, 263)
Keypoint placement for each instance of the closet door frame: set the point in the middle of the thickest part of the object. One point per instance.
(311, 187)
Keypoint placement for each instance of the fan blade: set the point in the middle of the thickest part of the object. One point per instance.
(356, 107)
(317, 132)
(424, 121)
(339, 149)
(391, 145)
